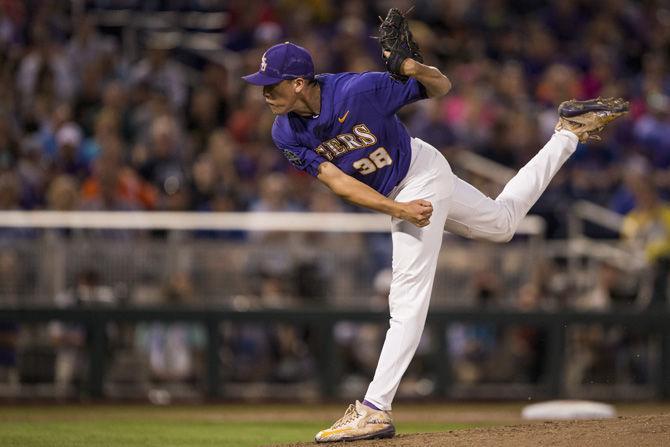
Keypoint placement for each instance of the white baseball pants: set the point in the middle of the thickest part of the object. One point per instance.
(459, 208)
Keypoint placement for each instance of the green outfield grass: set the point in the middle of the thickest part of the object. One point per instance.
(139, 426)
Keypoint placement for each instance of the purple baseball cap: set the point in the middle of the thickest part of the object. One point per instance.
(280, 62)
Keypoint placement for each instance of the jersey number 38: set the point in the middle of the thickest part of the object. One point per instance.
(377, 159)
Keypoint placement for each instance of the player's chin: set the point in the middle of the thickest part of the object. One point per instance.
(276, 110)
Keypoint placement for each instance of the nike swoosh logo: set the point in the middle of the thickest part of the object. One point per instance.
(344, 117)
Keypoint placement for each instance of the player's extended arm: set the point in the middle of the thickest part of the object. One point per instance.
(435, 82)
(417, 212)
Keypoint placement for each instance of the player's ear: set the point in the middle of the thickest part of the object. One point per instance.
(298, 85)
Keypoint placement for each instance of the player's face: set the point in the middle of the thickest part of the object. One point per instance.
(281, 97)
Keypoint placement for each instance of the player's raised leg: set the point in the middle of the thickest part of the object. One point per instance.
(476, 216)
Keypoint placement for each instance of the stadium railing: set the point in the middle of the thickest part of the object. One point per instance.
(321, 320)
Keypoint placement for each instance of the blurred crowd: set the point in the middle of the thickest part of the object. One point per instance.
(88, 124)
(85, 126)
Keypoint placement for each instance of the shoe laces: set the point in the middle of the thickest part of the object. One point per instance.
(349, 416)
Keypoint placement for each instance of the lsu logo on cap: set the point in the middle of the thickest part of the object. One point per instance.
(264, 63)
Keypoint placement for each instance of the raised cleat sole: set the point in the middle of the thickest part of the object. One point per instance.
(570, 109)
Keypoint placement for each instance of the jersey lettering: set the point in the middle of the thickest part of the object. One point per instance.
(361, 138)
(364, 134)
(335, 147)
(351, 141)
(324, 153)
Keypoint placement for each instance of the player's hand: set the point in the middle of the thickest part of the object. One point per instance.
(408, 66)
(417, 212)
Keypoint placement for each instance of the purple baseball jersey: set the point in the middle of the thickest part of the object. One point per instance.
(357, 129)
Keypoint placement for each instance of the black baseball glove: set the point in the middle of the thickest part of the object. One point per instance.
(396, 38)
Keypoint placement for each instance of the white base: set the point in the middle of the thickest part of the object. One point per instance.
(568, 409)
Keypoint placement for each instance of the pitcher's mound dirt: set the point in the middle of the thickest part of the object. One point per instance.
(634, 431)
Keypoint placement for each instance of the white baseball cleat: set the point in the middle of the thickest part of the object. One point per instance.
(359, 422)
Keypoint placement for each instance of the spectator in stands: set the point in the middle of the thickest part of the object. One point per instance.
(175, 350)
(203, 118)
(69, 159)
(430, 124)
(275, 194)
(86, 45)
(9, 136)
(44, 72)
(32, 172)
(11, 17)
(215, 78)
(223, 150)
(204, 183)
(87, 104)
(10, 191)
(647, 228)
(163, 167)
(652, 129)
(9, 337)
(12, 273)
(50, 124)
(69, 339)
(600, 298)
(160, 72)
(63, 194)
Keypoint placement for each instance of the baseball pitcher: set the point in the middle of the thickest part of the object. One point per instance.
(343, 129)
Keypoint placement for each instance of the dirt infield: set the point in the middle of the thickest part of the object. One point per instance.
(637, 431)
